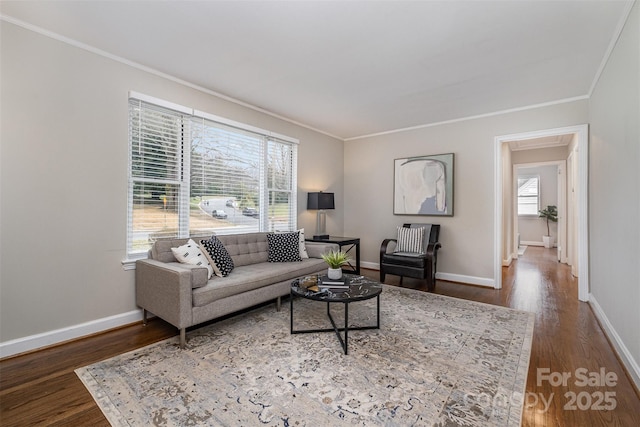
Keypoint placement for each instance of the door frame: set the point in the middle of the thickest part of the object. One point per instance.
(582, 132)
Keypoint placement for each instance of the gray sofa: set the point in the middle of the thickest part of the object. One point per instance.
(182, 294)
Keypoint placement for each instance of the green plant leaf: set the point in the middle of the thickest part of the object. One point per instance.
(336, 259)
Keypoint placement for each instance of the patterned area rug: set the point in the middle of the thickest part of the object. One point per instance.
(435, 361)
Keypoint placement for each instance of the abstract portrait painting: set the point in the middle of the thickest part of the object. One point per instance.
(423, 185)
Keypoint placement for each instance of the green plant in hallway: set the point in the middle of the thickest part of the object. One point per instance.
(550, 214)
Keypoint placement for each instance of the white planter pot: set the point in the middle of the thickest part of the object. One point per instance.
(334, 273)
(547, 241)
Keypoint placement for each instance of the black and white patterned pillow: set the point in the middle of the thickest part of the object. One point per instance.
(410, 240)
(283, 247)
(218, 256)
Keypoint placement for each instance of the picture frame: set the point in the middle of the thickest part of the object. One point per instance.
(423, 185)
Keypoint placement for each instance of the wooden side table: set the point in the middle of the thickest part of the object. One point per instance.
(352, 243)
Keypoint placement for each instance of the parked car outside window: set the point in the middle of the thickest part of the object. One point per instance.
(218, 213)
(252, 212)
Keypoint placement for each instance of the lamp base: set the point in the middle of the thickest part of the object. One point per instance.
(321, 225)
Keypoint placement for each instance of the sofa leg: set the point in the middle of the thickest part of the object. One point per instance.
(183, 338)
(278, 303)
(144, 317)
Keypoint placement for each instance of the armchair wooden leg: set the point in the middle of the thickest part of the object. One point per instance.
(431, 285)
(401, 277)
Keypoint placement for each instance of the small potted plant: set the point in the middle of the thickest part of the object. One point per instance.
(550, 214)
(335, 260)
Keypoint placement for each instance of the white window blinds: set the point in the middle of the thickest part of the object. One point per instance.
(281, 168)
(226, 175)
(196, 174)
(156, 136)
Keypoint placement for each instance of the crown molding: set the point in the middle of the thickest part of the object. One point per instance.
(133, 64)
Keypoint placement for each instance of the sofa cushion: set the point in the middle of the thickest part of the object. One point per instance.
(254, 276)
(190, 253)
(218, 256)
(407, 259)
(246, 248)
(284, 247)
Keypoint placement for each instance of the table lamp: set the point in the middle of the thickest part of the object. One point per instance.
(320, 201)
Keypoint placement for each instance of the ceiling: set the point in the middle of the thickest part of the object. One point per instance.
(353, 68)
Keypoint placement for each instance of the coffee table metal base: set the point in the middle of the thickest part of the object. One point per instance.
(336, 329)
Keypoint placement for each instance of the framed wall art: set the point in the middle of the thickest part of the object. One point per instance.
(423, 185)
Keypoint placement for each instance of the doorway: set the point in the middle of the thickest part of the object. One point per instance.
(544, 184)
(504, 236)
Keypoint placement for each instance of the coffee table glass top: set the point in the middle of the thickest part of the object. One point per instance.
(360, 288)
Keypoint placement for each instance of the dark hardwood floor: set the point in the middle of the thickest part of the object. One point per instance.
(41, 388)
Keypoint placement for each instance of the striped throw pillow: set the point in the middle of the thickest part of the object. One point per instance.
(410, 240)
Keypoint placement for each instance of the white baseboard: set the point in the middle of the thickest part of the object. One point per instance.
(45, 339)
(471, 280)
(532, 243)
(623, 352)
(370, 265)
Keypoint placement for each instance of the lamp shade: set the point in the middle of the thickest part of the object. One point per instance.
(320, 201)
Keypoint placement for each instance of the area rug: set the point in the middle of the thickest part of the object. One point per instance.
(435, 360)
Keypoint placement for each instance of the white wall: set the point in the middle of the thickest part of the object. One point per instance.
(63, 179)
(467, 237)
(614, 195)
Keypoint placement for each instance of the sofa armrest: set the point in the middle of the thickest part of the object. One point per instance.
(316, 249)
(164, 289)
(199, 274)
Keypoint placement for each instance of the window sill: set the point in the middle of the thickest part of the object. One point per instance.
(130, 263)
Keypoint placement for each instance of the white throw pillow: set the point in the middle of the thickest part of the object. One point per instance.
(303, 247)
(410, 240)
(190, 253)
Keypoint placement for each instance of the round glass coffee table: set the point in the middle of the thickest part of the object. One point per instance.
(359, 288)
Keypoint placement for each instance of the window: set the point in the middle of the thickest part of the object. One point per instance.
(528, 194)
(192, 173)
